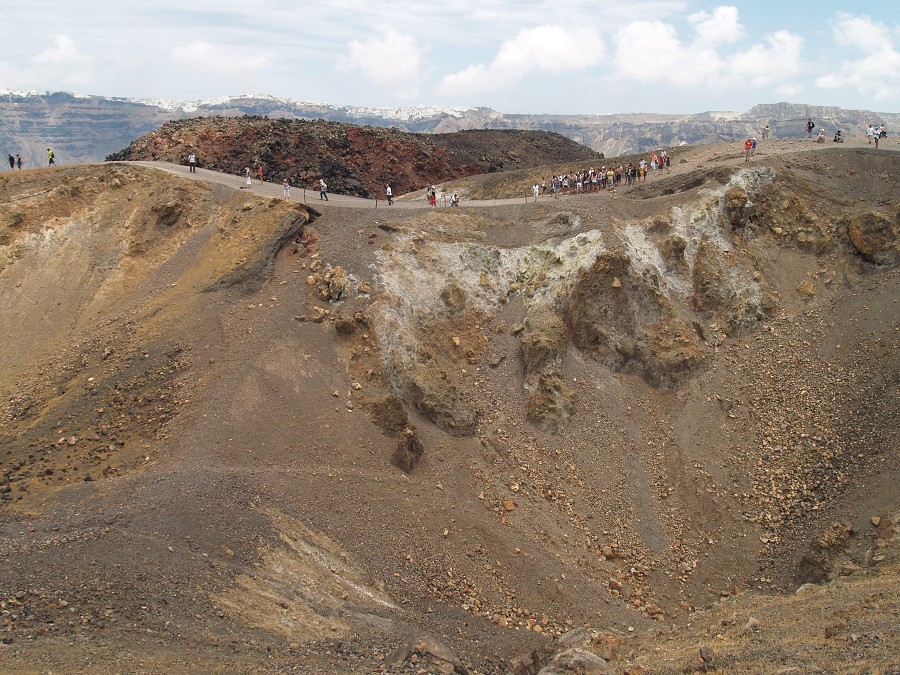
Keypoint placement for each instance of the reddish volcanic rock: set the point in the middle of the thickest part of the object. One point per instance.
(354, 160)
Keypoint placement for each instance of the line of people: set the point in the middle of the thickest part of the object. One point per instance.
(16, 162)
(605, 178)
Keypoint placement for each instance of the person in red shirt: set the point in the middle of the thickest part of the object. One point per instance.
(748, 146)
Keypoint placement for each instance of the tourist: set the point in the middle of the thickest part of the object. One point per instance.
(323, 189)
(287, 189)
(390, 194)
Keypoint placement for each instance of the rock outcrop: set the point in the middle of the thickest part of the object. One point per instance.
(353, 160)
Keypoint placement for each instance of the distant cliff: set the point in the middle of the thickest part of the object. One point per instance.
(88, 128)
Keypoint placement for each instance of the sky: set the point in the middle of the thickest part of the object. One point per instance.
(515, 56)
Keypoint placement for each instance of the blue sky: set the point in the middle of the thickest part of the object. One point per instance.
(522, 56)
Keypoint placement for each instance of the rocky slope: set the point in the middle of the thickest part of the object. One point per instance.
(353, 160)
(249, 434)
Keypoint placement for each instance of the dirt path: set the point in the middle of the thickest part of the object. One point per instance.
(686, 159)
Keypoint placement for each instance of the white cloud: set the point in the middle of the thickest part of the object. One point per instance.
(531, 54)
(860, 32)
(542, 49)
(651, 51)
(871, 62)
(723, 26)
(393, 61)
(62, 63)
(219, 60)
(787, 92)
(779, 59)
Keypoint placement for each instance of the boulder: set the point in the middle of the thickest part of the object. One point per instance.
(430, 656)
(408, 452)
(876, 237)
(815, 565)
(576, 661)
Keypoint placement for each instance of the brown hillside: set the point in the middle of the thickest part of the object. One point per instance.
(247, 434)
(353, 160)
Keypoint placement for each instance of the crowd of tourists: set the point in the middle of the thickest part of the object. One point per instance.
(606, 178)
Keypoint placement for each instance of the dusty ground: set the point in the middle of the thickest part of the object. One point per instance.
(238, 440)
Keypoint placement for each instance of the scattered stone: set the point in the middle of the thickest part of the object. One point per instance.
(805, 588)
(806, 289)
(815, 564)
(408, 452)
(835, 628)
(454, 298)
(752, 624)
